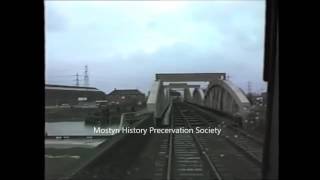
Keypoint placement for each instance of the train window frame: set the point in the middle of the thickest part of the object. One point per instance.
(270, 169)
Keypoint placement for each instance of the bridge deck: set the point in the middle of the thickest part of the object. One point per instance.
(231, 155)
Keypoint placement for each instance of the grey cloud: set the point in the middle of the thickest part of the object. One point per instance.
(203, 38)
(55, 21)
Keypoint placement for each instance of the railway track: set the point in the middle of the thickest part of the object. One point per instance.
(231, 124)
(188, 156)
(248, 144)
(228, 156)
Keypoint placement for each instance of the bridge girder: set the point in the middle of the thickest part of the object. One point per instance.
(187, 77)
(181, 85)
(220, 95)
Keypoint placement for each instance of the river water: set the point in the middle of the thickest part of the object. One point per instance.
(73, 128)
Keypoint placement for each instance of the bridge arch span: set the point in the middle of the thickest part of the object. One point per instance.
(224, 96)
(188, 94)
(198, 96)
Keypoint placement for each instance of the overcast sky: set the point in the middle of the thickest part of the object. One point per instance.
(125, 43)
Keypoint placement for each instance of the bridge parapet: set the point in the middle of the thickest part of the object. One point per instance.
(119, 147)
(130, 118)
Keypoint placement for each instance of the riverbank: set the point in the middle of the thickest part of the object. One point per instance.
(60, 162)
(67, 114)
(74, 114)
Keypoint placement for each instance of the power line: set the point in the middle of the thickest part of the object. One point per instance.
(228, 77)
(249, 87)
(86, 76)
(60, 76)
(77, 79)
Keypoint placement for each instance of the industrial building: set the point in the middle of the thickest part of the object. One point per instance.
(127, 99)
(57, 95)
